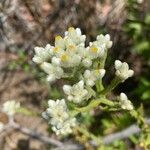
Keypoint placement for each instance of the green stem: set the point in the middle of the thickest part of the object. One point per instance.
(112, 85)
(94, 103)
(26, 111)
(103, 60)
(99, 84)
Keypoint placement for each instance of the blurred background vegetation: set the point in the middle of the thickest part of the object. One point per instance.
(28, 23)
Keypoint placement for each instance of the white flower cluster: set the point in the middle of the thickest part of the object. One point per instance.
(54, 72)
(76, 93)
(10, 107)
(122, 70)
(60, 120)
(69, 52)
(70, 56)
(93, 75)
(124, 102)
(42, 54)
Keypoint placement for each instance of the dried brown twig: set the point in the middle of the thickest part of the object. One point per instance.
(133, 129)
(45, 139)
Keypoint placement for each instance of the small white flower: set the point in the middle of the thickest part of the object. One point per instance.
(60, 120)
(42, 54)
(95, 50)
(122, 70)
(76, 93)
(75, 35)
(10, 107)
(104, 40)
(125, 103)
(1, 126)
(69, 60)
(66, 127)
(54, 72)
(57, 51)
(57, 110)
(87, 62)
(85, 55)
(91, 76)
(59, 42)
(69, 44)
(56, 61)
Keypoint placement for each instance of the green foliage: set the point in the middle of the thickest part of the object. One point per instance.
(24, 63)
(117, 145)
(137, 29)
(143, 90)
(54, 93)
(20, 62)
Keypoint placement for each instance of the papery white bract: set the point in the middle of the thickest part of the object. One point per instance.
(54, 72)
(87, 62)
(91, 76)
(124, 102)
(59, 43)
(55, 61)
(104, 40)
(42, 54)
(76, 93)
(122, 70)
(75, 35)
(10, 107)
(66, 127)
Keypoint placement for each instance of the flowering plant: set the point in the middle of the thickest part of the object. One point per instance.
(81, 69)
(84, 67)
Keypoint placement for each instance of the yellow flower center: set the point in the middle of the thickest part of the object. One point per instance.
(96, 72)
(71, 47)
(57, 38)
(71, 29)
(94, 49)
(55, 49)
(64, 57)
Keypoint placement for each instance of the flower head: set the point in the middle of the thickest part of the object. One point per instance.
(76, 93)
(60, 120)
(96, 50)
(91, 76)
(124, 102)
(10, 107)
(104, 40)
(57, 110)
(87, 62)
(42, 54)
(59, 42)
(122, 70)
(66, 127)
(75, 35)
(54, 72)
(69, 60)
